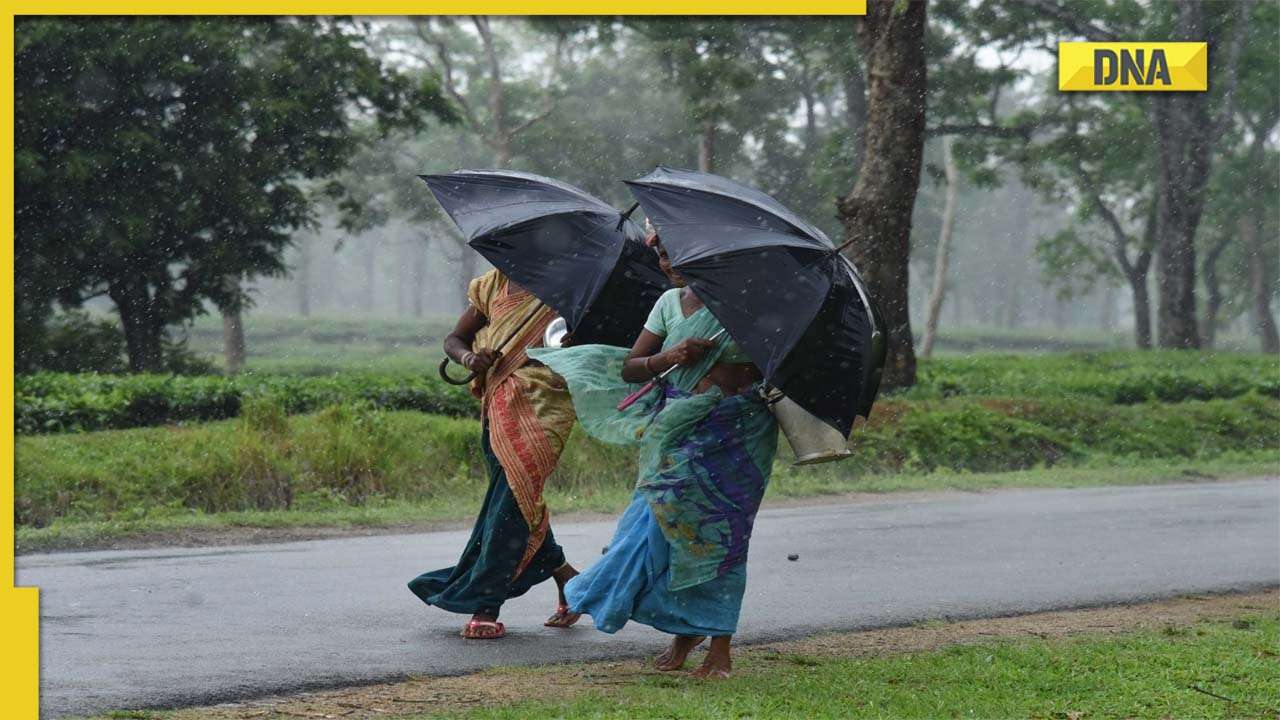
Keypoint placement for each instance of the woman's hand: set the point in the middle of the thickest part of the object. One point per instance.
(479, 361)
(688, 352)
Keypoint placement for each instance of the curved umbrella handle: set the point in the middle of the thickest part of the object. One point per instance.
(444, 374)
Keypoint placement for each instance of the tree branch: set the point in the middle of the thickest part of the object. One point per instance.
(549, 99)
(1013, 132)
(1071, 19)
(1119, 238)
(1245, 9)
(445, 70)
(497, 111)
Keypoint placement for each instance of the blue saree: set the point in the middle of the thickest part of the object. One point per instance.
(677, 561)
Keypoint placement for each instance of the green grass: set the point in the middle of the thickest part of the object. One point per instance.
(266, 461)
(320, 345)
(1118, 377)
(373, 462)
(404, 379)
(68, 402)
(355, 467)
(1139, 675)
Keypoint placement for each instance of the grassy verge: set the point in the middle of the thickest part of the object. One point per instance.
(1203, 657)
(357, 465)
(1151, 674)
(322, 515)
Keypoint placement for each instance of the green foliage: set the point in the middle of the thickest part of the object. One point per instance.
(1212, 669)
(74, 342)
(356, 454)
(159, 161)
(77, 342)
(1113, 377)
(59, 402)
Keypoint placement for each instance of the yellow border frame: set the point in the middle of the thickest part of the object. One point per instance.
(20, 607)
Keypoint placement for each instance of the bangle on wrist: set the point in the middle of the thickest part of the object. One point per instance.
(467, 357)
(652, 373)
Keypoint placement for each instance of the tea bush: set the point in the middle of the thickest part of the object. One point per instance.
(355, 453)
(63, 402)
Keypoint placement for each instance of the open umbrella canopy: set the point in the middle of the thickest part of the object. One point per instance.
(575, 252)
(794, 304)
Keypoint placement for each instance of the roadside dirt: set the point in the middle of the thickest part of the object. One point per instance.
(217, 537)
(221, 537)
(506, 685)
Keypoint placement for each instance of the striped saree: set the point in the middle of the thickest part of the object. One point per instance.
(526, 417)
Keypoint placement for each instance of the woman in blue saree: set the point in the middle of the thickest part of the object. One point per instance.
(677, 561)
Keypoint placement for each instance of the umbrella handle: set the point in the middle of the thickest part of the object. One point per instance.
(631, 399)
(444, 374)
(626, 215)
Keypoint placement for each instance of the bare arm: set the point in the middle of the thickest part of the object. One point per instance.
(647, 359)
(457, 344)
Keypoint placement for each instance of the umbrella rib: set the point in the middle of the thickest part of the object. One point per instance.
(727, 196)
(510, 225)
(537, 202)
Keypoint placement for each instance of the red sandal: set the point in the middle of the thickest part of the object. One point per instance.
(469, 632)
(563, 618)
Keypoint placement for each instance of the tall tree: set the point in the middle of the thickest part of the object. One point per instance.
(933, 311)
(714, 63)
(876, 214)
(1088, 152)
(1184, 126)
(212, 136)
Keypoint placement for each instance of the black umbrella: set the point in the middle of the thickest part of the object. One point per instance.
(574, 252)
(795, 305)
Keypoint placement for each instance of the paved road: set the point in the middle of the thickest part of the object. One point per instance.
(163, 628)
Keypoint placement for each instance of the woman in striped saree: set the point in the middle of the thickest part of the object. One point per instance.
(677, 561)
(526, 415)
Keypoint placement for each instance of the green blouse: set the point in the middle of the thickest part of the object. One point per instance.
(667, 313)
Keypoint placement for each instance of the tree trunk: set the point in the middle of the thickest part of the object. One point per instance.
(1261, 282)
(707, 146)
(403, 268)
(233, 344)
(855, 92)
(1009, 314)
(502, 151)
(370, 275)
(143, 331)
(1141, 308)
(1213, 288)
(1184, 140)
(419, 276)
(876, 215)
(1107, 314)
(934, 310)
(303, 275)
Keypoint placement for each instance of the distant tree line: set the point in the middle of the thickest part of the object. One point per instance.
(165, 163)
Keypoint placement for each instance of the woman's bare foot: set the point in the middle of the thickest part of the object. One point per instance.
(681, 645)
(717, 664)
(483, 627)
(563, 618)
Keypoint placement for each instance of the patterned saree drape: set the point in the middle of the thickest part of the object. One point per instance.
(529, 412)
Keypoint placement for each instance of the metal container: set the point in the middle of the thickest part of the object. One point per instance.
(555, 332)
(812, 440)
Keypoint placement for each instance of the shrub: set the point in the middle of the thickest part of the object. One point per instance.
(1121, 377)
(61, 402)
(357, 454)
